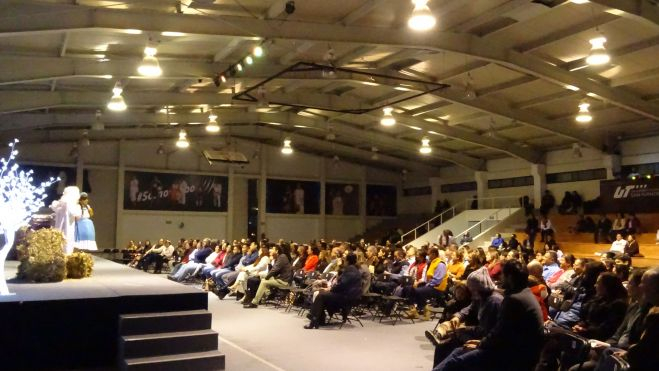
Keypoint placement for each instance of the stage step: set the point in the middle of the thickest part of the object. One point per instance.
(167, 343)
(199, 361)
(154, 323)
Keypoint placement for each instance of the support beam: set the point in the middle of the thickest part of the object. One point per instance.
(227, 50)
(362, 11)
(80, 17)
(643, 10)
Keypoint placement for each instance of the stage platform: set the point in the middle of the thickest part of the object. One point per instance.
(74, 324)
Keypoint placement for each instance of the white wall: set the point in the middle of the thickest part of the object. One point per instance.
(116, 227)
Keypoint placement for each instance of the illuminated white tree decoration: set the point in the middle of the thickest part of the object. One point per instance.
(18, 201)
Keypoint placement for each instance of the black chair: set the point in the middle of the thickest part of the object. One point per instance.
(611, 362)
(406, 281)
(574, 349)
(348, 313)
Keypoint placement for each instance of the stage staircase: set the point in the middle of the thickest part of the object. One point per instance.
(169, 341)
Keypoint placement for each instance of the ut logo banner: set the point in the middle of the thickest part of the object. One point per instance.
(623, 192)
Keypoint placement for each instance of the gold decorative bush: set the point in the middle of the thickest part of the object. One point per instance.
(79, 265)
(42, 256)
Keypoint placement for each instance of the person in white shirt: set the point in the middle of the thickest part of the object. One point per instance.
(166, 256)
(618, 246)
(546, 229)
(260, 265)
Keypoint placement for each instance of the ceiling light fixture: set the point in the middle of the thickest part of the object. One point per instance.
(422, 18)
(578, 1)
(286, 148)
(212, 126)
(249, 59)
(117, 102)
(150, 66)
(182, 141)
(425, 146)
(388, 119)
(239, 67)
(258, 51)
(161, 149)
(584, 116)
(598, 55)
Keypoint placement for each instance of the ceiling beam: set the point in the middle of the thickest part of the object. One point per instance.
(361, 12)
(79, 17)
(643, 10)
(227, 50)
(634, 77)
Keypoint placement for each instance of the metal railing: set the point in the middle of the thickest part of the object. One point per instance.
(499, 202)
(425, 226)
(481, 226)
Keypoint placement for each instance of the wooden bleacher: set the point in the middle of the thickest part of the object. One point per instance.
(582, 244)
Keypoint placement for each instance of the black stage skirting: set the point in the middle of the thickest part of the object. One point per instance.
(74, 324)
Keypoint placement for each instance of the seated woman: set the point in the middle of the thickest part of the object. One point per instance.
(279, 276)
(498, 241)
(312, 260)
(456, 268)
(347, 290)
(602, 315)
(583, 294)
(473, 321)
(323, 261)
(565, 272)
(260, 265)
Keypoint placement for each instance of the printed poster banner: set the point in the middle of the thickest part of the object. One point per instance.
(174, 192)
(625, 196)
(381, 200)
(341, 199)
(292, 197)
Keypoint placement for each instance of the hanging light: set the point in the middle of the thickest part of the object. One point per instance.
(598, 54)
(150, 66)
(224, 79)
(212, 126)
(388, 119)
(239, 67)
(286, 148)
(249, 59)
(584, 115)
(117, 102)
(422, 18)
(258, 51)
(182, 141)
(425, 146)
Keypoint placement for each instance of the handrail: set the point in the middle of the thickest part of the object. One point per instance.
(493, 216)
(427, 223)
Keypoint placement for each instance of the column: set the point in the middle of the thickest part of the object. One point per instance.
(539, 173)
(119, 232)
(322, 225)
(612, 164)
(362, 199)
(80, 166)
(481, 189)
(262, 190)
(231, 205)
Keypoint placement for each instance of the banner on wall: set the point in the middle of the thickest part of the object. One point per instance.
(174, 192)
(292, 197)
(625, 196)
(381, 200)
(341, 199)
(67, 177)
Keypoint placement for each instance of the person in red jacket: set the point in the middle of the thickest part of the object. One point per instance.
(312, 260)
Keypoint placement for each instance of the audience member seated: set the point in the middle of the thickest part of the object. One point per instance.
(550, 265)
(547, 203)
(150, 255)
(346, 292)
(583, 293)
(618, 246)
(602, 315)
(417, 268)
(476, 261)
(301, 255)
(456, 268)
(585, 224)
(643, 355)
(434, 288)
(202, 257)
(223, 281)
(471, 322)
(465, 239)
(538, 287)
(546, 229)
(445, 238)
(632, 248)
(240, 253)
(564, 274)
(493, 263)
(239, 286)
(513, 243)
(498, 241)
(632, 224)
(618, 226)
(603, 229)
(280, 275)
(323, 260)
(518, 327)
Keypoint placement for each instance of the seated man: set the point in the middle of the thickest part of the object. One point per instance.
(619, 245)
(346, 290)
(550, 265)
(434, 287)
(190, 267)
(515, 341)
(151, 255)
(280, 275)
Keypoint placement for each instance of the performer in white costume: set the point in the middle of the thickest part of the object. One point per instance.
(67, 210)
(85, 233)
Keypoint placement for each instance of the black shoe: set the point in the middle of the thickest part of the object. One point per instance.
(313, 324)
(170, 277)
(250, 305)
(239, 296)
(433, 339)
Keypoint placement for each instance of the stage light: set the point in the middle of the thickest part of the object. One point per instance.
(579, 1)
(584, 115)
(286, 148)
(117, 102)
(425, 146)
(422, 18)
(598, 54)
(249, 59)
(239, 67)
(224, 79)
(258, 51)
(182, 141)
(150, 66)
(212, 126)
(388, 119)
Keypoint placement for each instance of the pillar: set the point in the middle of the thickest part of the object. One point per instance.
(119, 232)
(322, 229)
(612, 164)
(262, 190)
(481, 190)
(362, 199)
(231, 205)
(539, 173)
